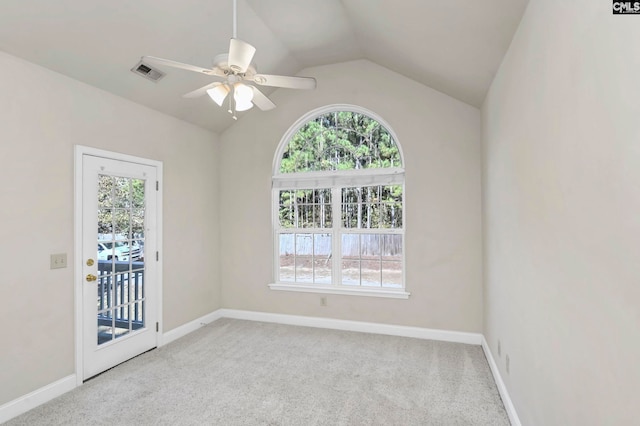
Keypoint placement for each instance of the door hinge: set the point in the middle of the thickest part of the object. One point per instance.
(157, 326)
(157, 186)
(157, 256)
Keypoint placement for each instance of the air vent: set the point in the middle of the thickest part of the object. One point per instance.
(147, 72)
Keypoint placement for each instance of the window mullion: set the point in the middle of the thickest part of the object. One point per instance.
(336, 240)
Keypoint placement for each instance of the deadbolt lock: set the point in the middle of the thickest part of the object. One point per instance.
(90, 262)
(91, 277)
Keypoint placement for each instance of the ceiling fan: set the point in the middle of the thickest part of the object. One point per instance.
(236, 72)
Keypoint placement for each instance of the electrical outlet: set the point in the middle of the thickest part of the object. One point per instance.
(323, 301)
(507, 364)
(499, 348)
(58, 260)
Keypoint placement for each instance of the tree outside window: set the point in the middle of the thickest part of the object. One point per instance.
(339, 204)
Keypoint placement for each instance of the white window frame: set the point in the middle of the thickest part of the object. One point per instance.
(335, 180)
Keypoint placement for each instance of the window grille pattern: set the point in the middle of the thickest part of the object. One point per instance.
(305, 208)
(339, 205)
(372, 207)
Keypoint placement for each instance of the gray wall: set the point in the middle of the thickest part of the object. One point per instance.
(440, 138)
(42, 116)
(561, 202)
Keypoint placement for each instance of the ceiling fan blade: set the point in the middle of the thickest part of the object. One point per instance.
(174, 64)
(261, 101)
(201, 91)
(240, 55)
(284, 81)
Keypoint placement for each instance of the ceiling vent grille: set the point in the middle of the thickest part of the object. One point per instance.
(147, 72)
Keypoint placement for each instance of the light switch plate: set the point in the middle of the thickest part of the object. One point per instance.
(58, 260)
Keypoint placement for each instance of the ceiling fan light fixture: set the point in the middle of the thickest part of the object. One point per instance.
(243, 106)
(242, 93)
(218, 93)
(235, 67)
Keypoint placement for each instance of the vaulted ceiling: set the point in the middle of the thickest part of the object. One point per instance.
(453, 46)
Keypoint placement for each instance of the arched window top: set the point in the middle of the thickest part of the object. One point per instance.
(337, 138)
(338, 205)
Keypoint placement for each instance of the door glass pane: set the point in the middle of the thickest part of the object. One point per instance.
(120, 255)
(122, 224)
(122, 192)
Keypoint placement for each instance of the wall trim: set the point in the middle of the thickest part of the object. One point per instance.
(363, 327)
(189, 327)
(502, 388)
(53, 390)
(38, 397)
(331, 289)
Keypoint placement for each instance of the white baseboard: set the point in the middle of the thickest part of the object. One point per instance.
(55, 389)
(363, 327)
(37, 397)
(504, 394)
(189, 327)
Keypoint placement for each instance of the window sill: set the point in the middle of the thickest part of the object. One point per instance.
(356, 291)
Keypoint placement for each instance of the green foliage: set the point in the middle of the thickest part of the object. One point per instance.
(371, 207)
(340, 140)
(305, 208)
(121, 206)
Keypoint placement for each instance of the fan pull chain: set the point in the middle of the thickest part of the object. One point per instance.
(231, 109)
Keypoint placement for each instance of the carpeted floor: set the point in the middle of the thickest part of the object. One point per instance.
(234, 372)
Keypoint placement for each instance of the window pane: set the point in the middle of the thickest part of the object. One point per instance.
(370, 255)
(350, 215)
(122, 224)
(351, 272)
(322, 245)
(286, 264)
(372, 260)
(138, 315)
(105, 222)
(392, 274)
(322, 258)
(304, 245)
(372, 207)
(137, 192)
(305, 208)
(340, 140)
(370, 246)
(350, 246)
(392, 247)
(122, 189)
(370, 270)
(137, 223)
(322, 270)
(105, 191)
(304, 269)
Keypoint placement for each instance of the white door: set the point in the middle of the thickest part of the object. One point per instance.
(119, 264)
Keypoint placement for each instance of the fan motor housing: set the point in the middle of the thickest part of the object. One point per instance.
(222, 61)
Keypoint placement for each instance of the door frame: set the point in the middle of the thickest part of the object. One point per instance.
(79, 152)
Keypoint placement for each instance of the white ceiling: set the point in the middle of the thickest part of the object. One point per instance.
(454, 46)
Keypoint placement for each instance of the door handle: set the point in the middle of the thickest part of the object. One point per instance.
(91, 277)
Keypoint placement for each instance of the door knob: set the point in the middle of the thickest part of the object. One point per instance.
(91, 277)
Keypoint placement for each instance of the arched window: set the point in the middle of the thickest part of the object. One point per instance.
(338, 205)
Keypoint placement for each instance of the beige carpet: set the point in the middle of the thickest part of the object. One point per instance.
(236, 372)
